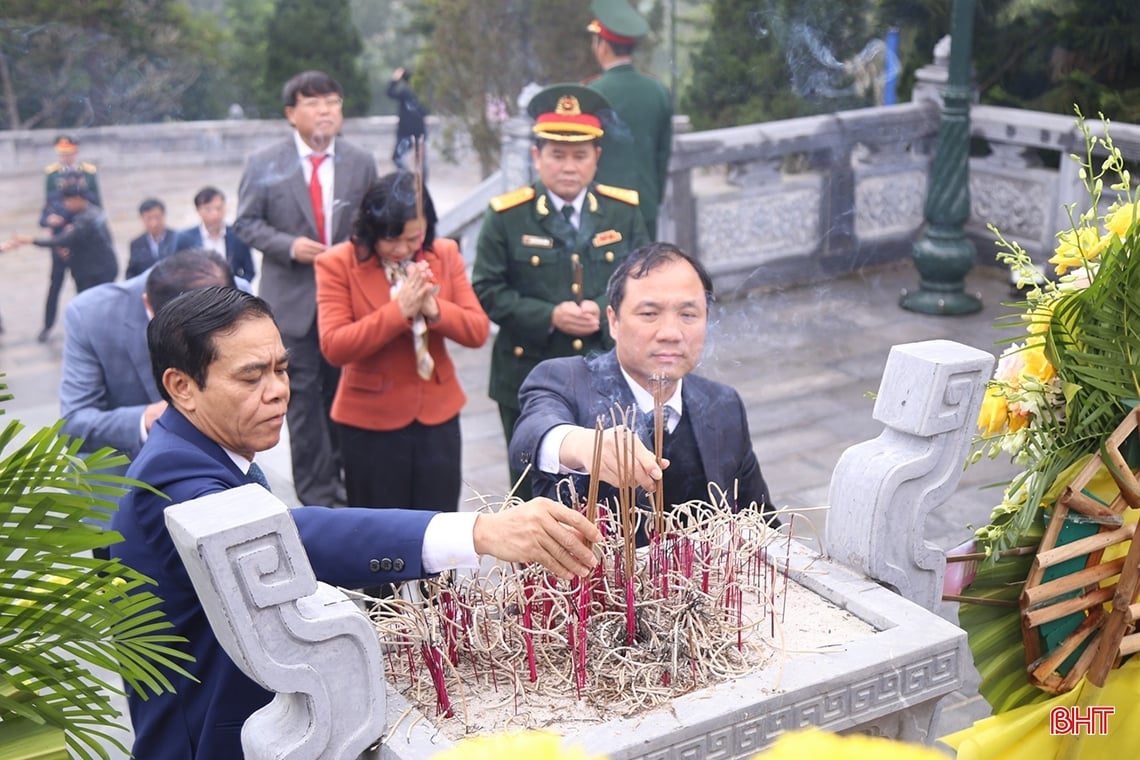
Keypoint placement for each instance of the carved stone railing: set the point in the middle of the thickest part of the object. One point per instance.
(882, 490)
(290, 633)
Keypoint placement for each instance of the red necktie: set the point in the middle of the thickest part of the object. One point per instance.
(316, 197)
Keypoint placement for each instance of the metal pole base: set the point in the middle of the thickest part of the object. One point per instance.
(934, 302)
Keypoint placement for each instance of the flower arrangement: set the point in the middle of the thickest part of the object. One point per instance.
(1062, 386)
(1066, 382)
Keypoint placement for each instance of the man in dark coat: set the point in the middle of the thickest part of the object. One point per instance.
(658, 314)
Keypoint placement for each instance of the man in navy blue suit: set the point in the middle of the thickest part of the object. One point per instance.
(658, 300)
(156, 242)
(219, 362)
(107, 395)
(214, 234)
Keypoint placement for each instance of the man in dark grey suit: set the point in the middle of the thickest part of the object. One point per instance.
(658, 312)
(107, 394)
(296, 198)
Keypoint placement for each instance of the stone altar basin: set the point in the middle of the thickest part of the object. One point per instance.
(887, 681)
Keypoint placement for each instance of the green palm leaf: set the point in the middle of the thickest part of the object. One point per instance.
(61, 611)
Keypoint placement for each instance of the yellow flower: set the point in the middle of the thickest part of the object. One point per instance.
(994, 416)
(1077, 247)
(813, 743)
(1120, 220)
(539, 745)
(1036, 364)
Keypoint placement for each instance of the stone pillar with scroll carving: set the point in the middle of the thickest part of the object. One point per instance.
(883, 489)
(288, 632)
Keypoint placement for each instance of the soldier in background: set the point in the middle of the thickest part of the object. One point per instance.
(56, 217)
(546, 251)
(639, 140)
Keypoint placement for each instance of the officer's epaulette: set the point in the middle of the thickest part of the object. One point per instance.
(622, 194)
(512, 199)
(53, 168)
(86, 167)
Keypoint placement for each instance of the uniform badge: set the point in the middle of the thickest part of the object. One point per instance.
(606, 238)
(537, 241)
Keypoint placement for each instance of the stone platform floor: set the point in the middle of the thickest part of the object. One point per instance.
(804, 359)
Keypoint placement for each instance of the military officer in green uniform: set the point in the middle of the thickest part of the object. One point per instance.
(639, 134)
(68, 169)
(546, 251)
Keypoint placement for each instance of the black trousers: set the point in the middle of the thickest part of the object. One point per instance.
(313, 438)
(55, 286)
(416, 467)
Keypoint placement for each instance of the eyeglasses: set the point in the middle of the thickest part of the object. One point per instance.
(332, 102)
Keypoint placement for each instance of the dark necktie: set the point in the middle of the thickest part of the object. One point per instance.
(256, 475)
(316, 197)
(568, 212)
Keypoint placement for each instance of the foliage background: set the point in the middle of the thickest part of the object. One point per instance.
(65, 63)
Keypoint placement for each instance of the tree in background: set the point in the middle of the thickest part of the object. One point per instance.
(778, 59)
(64, 63)
(303, 35)
(481, 55)
(1030, 54)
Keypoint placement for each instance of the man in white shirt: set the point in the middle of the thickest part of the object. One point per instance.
(213, 234)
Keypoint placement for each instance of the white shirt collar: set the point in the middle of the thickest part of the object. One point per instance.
(241, 462)
(576, 203)
(304, 151)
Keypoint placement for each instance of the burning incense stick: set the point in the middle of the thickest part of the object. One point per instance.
(576, 267)
(595, 473)
(658, 384)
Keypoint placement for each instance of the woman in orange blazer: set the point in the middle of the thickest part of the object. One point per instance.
(385, 298)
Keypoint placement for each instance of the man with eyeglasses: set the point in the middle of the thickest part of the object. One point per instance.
(295, 199)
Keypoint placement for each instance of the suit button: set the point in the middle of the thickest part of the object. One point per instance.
(518, 350)
(386, 565)
(574, 288)
(398, 564)
(610, 256)
(374, 565)
(577, 344)
(535, 261)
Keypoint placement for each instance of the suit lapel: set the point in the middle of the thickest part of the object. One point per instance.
(588, 222)
(695, 397)
(373, 282)
(289, 165)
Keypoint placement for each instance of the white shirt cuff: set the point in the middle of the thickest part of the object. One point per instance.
(142, 426)
(550, 448)
(449, 542)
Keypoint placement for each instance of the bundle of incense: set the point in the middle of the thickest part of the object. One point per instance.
(576, 269)
(658, 451)
(595, 469)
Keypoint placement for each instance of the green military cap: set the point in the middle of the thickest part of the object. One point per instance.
(617, 21)
(567, 113)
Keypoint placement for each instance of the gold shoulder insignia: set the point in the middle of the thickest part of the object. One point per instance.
(53, 168)
(87, 167)
(622, 194)
(512, 199)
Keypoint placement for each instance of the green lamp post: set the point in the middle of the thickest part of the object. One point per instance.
(943, 254)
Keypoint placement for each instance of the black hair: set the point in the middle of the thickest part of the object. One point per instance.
(181, 335)
(643, 261)
(207, 194)
(386, 207)
(308, 84)
(188, 269)
(150, 204)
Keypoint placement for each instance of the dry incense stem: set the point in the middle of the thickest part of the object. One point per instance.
(658, 384)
